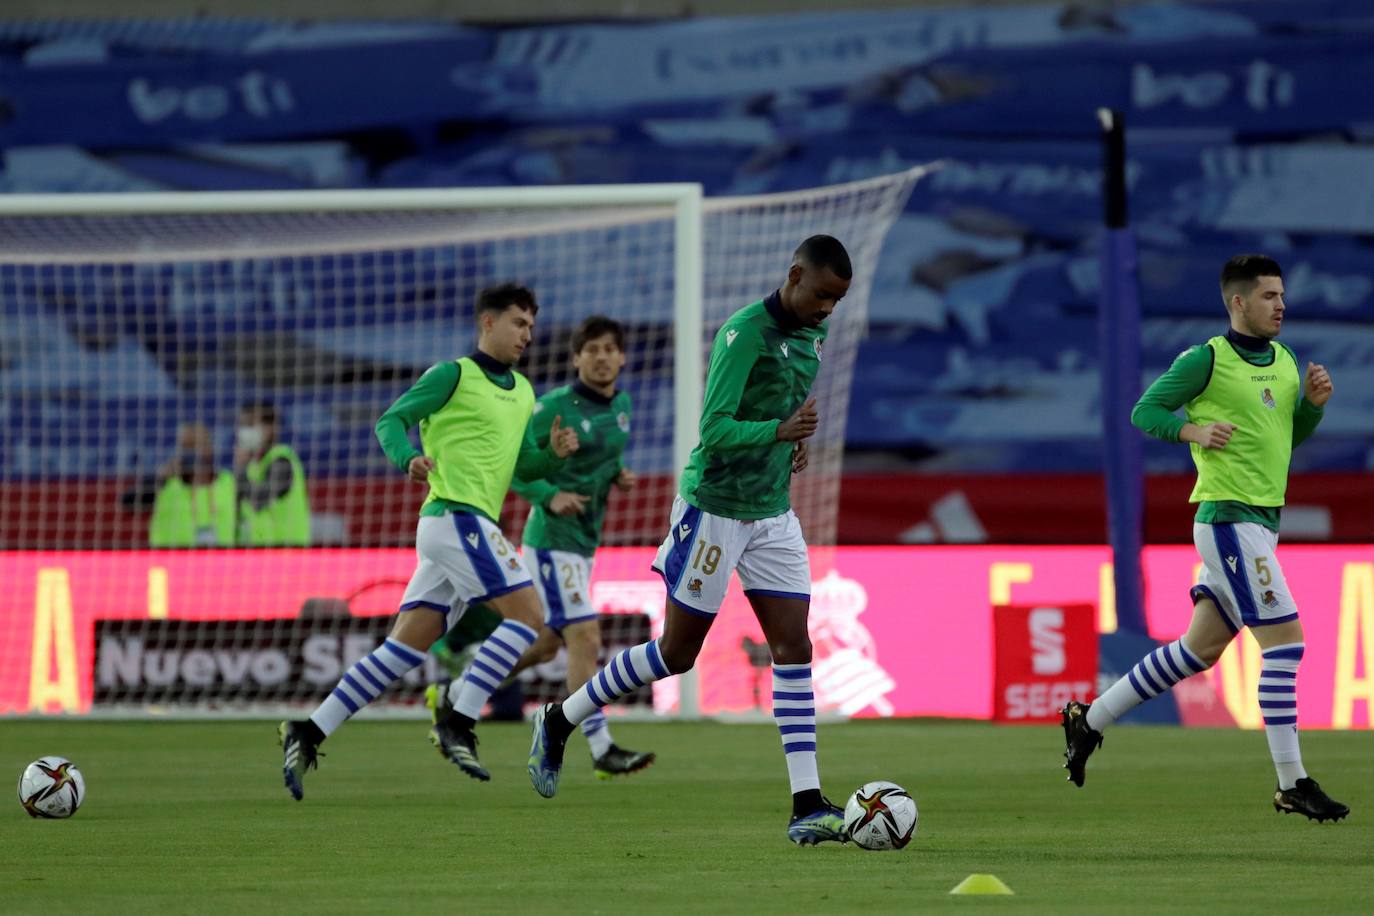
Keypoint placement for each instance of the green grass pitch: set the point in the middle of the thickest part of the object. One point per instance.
(192, 818)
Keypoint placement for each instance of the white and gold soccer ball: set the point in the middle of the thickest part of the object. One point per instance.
(880, 815)
(51, 787)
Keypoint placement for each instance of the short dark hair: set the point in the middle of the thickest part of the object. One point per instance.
(1246, 269)
(822, 251)
(596, 326)
(265, 411)
(502, 296)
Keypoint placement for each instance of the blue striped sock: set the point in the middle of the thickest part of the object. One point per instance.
(628, 670)
(1152, 675)
(490, 667)
(364, 682)
(794, 710)
(598, 733)
(1278, 702)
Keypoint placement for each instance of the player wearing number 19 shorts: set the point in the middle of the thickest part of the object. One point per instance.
(733, 515)
(1247, 407)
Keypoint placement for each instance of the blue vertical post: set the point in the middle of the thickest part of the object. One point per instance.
(1119, 350)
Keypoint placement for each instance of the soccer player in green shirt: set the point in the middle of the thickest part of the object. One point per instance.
(1247, 407)
(473, 415)
(733, 513)
(564, 527)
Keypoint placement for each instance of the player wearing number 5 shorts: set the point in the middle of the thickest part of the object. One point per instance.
(1247, 407)
(733, 514)
(473, 415)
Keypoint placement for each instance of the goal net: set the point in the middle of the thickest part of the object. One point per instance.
(138, 327)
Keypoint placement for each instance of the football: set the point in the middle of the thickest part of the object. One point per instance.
(880, 815)
(51, 787)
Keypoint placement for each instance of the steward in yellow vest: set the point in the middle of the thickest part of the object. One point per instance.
(273, 508)
(195, 505)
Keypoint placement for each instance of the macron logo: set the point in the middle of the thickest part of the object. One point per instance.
(730, 336)
(547, 569)
(783, 347)
(683, 531)
(1231, 562)
(472, 539)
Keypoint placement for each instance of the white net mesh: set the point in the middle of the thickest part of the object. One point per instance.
(124, 333)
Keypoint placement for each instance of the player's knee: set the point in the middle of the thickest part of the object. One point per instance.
(791, 650)
(524, 608)
(1206, 648)
(678, 659)
(545, 652)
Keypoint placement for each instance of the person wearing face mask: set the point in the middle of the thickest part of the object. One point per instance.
(194, 505)
(273, 508)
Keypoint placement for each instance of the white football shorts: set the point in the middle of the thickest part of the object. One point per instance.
(563, 581)
(1241, 574)
(702, 550)
(463, 559)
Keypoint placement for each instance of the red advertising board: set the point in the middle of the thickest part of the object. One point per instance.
(904, 631)
(1044, 656)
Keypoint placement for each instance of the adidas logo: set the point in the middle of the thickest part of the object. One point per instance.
(730, 337)
(472, 539)
(1231, 562)
(683, 531)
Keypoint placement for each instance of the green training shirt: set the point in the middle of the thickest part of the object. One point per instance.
(1186, 382)
(762, 367)
(477, 433)
(603, 428)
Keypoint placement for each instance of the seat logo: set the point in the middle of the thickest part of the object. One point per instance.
(1047, 640)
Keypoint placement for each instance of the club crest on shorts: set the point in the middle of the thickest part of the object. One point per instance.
(1269, 599)
(576, 598)
(1268, 399)
(694, 588)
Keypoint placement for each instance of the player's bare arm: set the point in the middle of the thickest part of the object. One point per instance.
(800, 457)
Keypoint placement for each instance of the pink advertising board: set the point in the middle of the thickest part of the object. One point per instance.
(903, 631)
